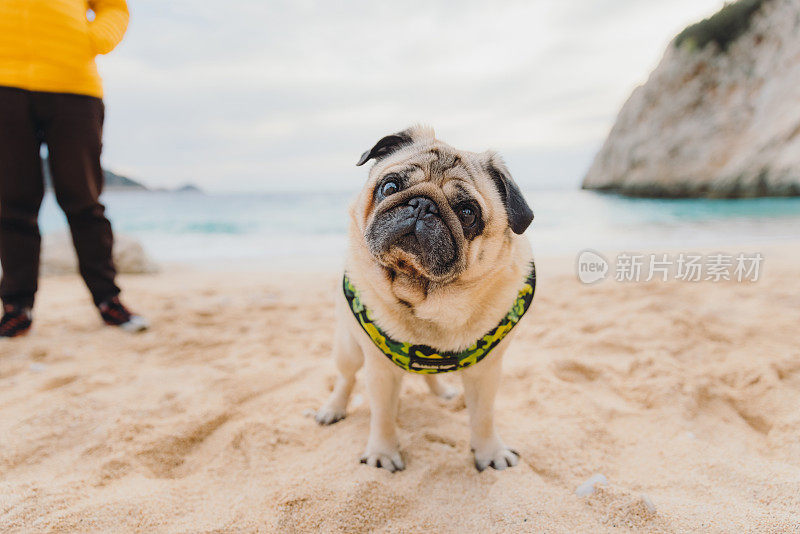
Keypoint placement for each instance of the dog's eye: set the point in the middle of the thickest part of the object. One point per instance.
(467, 215)
(390, 187)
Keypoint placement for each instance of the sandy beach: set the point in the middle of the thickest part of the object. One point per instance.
(684, 396)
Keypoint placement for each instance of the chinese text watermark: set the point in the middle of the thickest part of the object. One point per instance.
(593, 267)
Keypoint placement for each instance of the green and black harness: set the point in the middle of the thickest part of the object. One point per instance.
(426, 360)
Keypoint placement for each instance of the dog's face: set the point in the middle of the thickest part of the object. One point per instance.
(434, 213)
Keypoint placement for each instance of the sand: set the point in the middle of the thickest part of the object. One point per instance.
(684, 396)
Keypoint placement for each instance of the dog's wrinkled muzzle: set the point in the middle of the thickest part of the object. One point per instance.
(416, 228)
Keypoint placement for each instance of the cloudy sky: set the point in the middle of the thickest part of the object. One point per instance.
(253, 95)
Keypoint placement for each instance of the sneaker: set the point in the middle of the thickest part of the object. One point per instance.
(114, 313)
(16, 321)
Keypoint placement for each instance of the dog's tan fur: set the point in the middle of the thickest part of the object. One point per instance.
(446, 312)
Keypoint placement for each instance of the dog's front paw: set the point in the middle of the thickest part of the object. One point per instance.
(389, 460)
(328, 415)
(497, 457)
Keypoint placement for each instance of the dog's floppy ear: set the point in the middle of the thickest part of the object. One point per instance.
(418, 133)
(519, 213)
(386, 146)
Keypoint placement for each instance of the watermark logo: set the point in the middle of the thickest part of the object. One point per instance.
(685, 267)
(591, 266)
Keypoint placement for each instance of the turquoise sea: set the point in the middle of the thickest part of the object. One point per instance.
(189, 226)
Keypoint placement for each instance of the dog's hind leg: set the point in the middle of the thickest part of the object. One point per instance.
(349, 358)
(440, 390)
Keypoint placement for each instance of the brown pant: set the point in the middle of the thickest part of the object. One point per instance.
(72, 127)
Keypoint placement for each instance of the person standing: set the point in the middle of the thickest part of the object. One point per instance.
(51, 93)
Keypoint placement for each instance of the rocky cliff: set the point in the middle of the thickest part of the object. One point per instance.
(112, 180)
(718, 117)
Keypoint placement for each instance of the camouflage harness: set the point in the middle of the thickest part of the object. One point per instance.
(425, 360)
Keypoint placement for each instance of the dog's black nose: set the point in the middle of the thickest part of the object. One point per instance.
(423, 206)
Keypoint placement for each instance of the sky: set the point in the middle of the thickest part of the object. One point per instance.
(254, 95)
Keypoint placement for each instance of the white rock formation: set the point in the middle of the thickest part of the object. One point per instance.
(713, 123)
(58, 255)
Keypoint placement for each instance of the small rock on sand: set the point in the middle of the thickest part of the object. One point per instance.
(648, 503)
(58, 255)
(587, 488)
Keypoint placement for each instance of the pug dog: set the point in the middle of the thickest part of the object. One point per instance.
(437, 257)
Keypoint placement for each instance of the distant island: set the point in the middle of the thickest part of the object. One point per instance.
(118, 182)
(187, 188)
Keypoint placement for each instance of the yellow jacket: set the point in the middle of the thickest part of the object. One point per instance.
(50, 45)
